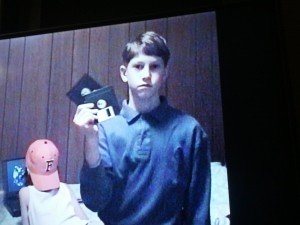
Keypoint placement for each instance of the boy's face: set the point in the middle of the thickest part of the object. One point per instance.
(145, 76)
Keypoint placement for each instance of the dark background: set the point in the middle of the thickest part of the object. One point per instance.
(258, 48)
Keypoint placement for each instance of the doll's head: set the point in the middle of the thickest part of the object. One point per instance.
(42, 161)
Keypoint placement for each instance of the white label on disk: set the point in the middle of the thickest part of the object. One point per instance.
(105, 113)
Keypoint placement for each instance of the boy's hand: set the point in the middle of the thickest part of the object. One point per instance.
(85, 116)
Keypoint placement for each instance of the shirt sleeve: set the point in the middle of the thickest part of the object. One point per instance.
(96, 183)
(197, 201)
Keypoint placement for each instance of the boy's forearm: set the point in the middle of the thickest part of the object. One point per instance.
(198, 198)
(95, 187)
(91, 152)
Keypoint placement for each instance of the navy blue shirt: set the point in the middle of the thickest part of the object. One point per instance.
(154, 169)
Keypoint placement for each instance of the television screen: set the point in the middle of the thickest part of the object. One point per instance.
(39, 69)
(14, 171)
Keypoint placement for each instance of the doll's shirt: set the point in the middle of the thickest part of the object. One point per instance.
(53, 207)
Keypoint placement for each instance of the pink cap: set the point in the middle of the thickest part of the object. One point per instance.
(42, 161)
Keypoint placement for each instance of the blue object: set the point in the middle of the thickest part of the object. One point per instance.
(155, 169)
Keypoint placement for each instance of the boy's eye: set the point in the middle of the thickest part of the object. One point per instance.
(138, 66)
(154, 66)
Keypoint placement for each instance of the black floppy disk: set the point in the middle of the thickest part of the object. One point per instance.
(82, 88)
(105, 100)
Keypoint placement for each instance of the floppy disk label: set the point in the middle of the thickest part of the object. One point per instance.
(105, 113)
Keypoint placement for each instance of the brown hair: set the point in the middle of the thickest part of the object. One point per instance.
(150, 43)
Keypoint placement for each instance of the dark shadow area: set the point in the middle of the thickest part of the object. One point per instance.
(260, 143)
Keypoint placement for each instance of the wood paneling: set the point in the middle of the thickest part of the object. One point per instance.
(37, 71)
(4, 51)
(160, 27)
(204, 93)
(182, 67)
(35, 90)
(13, 99)
(136, 28)
(59, 106)
(99, 54)
(118, 36)
(80, 66)
(208, 93)
(217, 136)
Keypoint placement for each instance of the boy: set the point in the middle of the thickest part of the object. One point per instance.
(48, 201)
(151, 163)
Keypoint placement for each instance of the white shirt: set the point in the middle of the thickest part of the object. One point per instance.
(53, 207)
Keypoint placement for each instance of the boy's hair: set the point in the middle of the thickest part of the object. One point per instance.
(150, 43)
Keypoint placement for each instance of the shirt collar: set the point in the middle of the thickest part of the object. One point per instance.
(157, 113)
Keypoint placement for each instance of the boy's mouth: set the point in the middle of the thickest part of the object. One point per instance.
(145, 85)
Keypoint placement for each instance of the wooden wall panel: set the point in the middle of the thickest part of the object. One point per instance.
(182, 68)
(136, 28)
(160, 27)
(209, 111)
(76, 139)
(99, 54)
(4, 52)
(218, 139)
(119, 36)
(35, 90)
(12, 97)
(204, 92)
(59, 105)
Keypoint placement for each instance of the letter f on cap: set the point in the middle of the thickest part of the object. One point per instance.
(42, 161)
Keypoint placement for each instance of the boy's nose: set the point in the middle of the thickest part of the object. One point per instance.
(146, 73)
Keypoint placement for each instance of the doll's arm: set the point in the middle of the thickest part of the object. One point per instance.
(24, 200)
(77, 208)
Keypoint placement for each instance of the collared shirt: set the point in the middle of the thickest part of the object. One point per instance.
(154, 169)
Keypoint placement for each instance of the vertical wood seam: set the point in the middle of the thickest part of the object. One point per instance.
(5, 91)
(69, 124)
(49, 84)
(20, 98)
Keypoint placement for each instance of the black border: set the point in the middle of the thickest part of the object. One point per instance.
(258, 117)
(258, 123)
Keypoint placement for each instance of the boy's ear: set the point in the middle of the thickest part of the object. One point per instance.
(123, 73)
(166, 75)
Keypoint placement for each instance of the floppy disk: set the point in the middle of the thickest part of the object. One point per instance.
(105, 100)
(83, 87)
